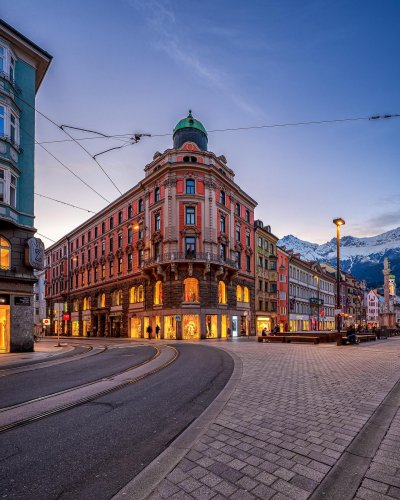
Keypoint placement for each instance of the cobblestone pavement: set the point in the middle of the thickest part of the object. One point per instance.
(294, 412)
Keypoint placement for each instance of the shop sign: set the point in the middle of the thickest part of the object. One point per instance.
(66, 316)
(46, 321)
(178, 317)
(22, 301)
(35, 253)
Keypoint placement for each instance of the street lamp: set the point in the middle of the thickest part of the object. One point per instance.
(338, 222)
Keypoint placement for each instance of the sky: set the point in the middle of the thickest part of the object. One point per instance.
(128, 66)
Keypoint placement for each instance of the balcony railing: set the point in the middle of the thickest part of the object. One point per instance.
(190, 256)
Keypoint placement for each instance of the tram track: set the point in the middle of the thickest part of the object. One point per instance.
(90, 397)
(54, 362)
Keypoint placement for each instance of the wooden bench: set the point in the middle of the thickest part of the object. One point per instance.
(302, 338)
(364, 337)
(271, 338)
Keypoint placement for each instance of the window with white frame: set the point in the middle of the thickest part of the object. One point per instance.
(9, 124)
(8, 187)
(7, 62)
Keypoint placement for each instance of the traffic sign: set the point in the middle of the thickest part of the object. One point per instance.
(178, 317)
(46, 321)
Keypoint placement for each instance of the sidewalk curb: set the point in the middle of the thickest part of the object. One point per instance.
(141, 486)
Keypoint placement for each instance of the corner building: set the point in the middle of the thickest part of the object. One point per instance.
(23, 66)
(175, 251)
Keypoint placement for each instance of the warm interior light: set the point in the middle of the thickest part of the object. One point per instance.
(136, 227)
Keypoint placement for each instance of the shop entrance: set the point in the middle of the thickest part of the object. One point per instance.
(4, 328)
(115, 326)
(234, 326)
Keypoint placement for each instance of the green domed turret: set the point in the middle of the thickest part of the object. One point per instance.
(190, 130)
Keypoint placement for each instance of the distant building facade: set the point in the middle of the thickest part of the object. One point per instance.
(175, 252)
(373, 307)
(283, 289)
(266, 276)
(22, 68)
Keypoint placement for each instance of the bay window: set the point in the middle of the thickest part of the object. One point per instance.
(8, 187)
(9, 124)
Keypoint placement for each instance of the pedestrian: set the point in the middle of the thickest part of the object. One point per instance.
(157, 330)
(264, 332)
(88, 333)
(351, 335)
(277, 329)
(228, 332)
(149, 330)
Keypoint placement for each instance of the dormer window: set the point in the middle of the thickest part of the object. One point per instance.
(190, 186)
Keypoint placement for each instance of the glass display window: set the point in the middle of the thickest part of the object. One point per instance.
(75, 328)
(222, 298)
(136, 328)
(169, 327)
(191, 326)
(4, 329)
(211, 326)
(191, 290)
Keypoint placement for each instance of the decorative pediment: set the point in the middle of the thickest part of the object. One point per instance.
(190, 231)
(119, 253)
(110, 257)
(238, 246)
(156, 237)
(140, 245)
(129, 249)
(103, 259)
(249, 251)
(88, 265)
(95, 263)
(82, 269)
(223, 238)
(189, 146)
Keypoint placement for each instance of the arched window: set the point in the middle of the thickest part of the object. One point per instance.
(239, 294)
(246, 294)
(221, 292)
(101, 300)
(136, 294)
(190, 186)
(117, 298)
(158, 293)
(86, 303)
(75, 305)
(5, 253)
(191, 290)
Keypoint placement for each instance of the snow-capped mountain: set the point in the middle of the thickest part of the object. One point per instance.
(363, 257)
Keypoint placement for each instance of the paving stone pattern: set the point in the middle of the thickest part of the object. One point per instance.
(295, 410)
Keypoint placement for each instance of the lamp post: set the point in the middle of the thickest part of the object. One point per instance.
(338, 222)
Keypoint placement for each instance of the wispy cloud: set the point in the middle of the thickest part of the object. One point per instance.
(161, 18)
(377, 224)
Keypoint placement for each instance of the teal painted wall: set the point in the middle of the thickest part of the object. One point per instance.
(25, 81)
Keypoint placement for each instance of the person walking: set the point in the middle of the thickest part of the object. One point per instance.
(149, 330)
(157, 330)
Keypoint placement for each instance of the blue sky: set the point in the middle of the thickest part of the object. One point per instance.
(128, 66)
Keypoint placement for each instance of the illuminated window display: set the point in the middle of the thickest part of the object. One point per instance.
(211, 326)
(246, 294)
(101, 300)
(136, 328)
(86, 303)
(75, 305)
(5, 253)
(116, 299)
(263, 322)
(221, 292)
(191, 326)
(169, 327)
(191, 290)
(136, 294)
(158, 293)
(86, 327)
(224, 325)
(75, 328)
(4, 328)
(239, 293)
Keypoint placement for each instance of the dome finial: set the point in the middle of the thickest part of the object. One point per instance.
(190, 113)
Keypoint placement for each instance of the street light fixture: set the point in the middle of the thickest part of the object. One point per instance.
(338, 222)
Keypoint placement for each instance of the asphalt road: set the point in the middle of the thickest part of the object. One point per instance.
(92, 451)
(20, 387)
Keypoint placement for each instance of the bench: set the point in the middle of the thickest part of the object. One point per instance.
(302, 338)
(271, 338)
(364, 337)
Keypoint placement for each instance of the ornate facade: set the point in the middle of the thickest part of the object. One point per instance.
(175, 252)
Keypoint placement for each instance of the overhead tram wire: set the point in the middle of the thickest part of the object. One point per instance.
(47, 238)
(66, 167)
(73, 138)
(64, 203)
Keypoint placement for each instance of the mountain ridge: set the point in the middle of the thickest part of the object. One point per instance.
(362, 257)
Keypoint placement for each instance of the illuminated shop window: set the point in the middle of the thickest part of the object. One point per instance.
(101, 300)
(221, 292)
(75, 305)
(211, 326)
(75, 328)
(246, 294)
(169, 327)
(86, 303)
(158, 293)
(136, 328)
(5, 253)
(239, 293)
(191, 290)
(191, 326)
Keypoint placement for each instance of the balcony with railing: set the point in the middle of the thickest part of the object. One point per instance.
(196, 257)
